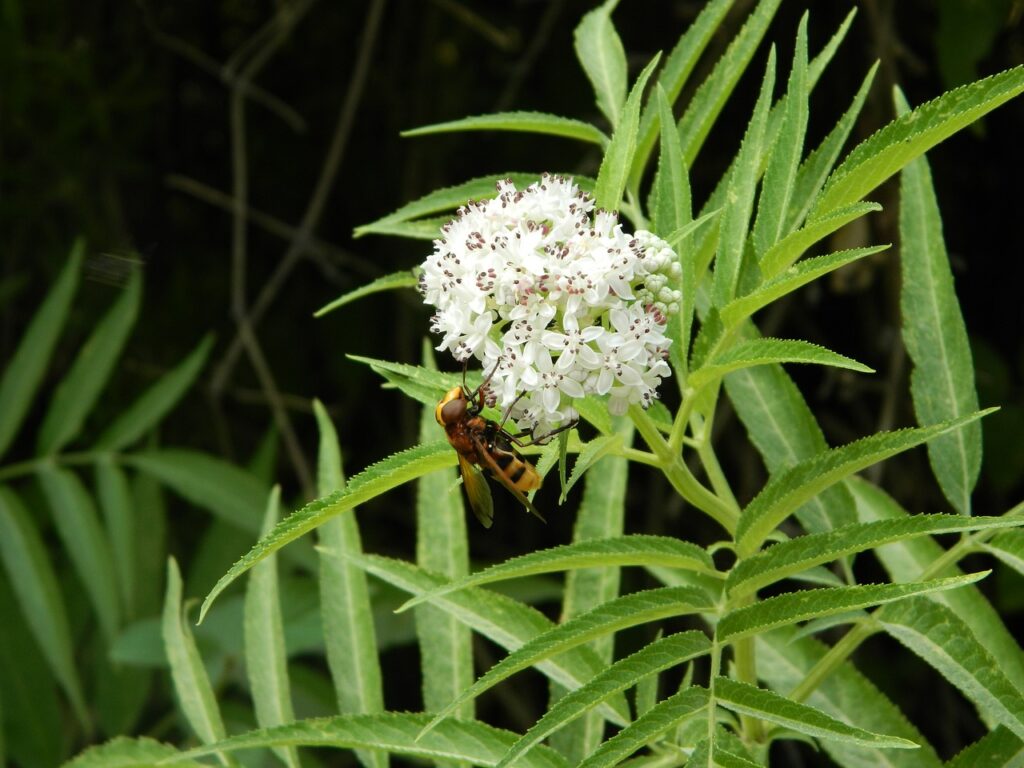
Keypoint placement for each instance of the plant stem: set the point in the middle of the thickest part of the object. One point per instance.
(835, 656)
(745, 655)
(675, 440)
(641, 457)
(709, 459)
(679, 474)
(31, 466)
(716, 666)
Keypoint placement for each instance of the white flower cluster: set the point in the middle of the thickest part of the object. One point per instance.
(554, 297)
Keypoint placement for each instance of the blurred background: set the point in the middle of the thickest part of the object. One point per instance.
(154, 130)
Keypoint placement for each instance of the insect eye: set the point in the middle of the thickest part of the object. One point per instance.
(453, 410)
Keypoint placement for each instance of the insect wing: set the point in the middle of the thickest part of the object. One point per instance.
(499, 475)
(478, 492)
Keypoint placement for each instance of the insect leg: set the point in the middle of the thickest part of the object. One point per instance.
(508, 411)
(517, 439)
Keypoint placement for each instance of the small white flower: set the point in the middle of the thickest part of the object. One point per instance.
(555, 298)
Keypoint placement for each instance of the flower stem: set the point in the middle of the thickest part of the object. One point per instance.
(675, 440)
(709, 459)
(679, 474)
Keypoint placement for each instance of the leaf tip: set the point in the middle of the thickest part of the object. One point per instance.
(411, 602)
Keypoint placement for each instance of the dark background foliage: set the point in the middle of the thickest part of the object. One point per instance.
(115, 124)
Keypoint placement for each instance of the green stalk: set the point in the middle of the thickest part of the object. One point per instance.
(31, 466)
(835, 656)
(679, 474)
(709, 459)
(745, 655)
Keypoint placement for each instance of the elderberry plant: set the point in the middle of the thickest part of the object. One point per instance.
(588, 295)
(555, 299)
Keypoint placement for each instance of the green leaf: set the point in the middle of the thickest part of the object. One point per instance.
(442, 547)
(266, 661)
(395, 732)
(330, 476)
(611, 177)
(153, 404)
(608, 618)
(603, 59)
(230, 493)
(662, 654)
(673, 76)
(370, 483)
(195, 694)
(350, 639)
(819, 164)
(646, 694)
(788, 281)
(947, 643)
(594, 411)
(942, 380)
(1008, 548)
(908, 137)
(907, 560)
(784, 253)
(35, 584)
(664, 715)
(152, 517)
(740, 194)
(529, 122)
(24, 371)
(404, 279)
(715, 756)
(767, 351)
(508, 622)
(784, 660)
(591, 452)
(117, 506)
(789, 558)
(672, 206)
(788, 489)
(419, 383)
(814, 72)
(714, 92)
(792, 607)
(125, 752)
(635, 550)
(76, 395)
(120, 695)
(780, 177)
(766, 705)
(27, 684)
(448, 199)
(601, 516)
(79, 529)
(677, 238)
(784, 430)
(999, 748)
(430, 228)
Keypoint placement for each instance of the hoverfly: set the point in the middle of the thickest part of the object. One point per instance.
(482, 442)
